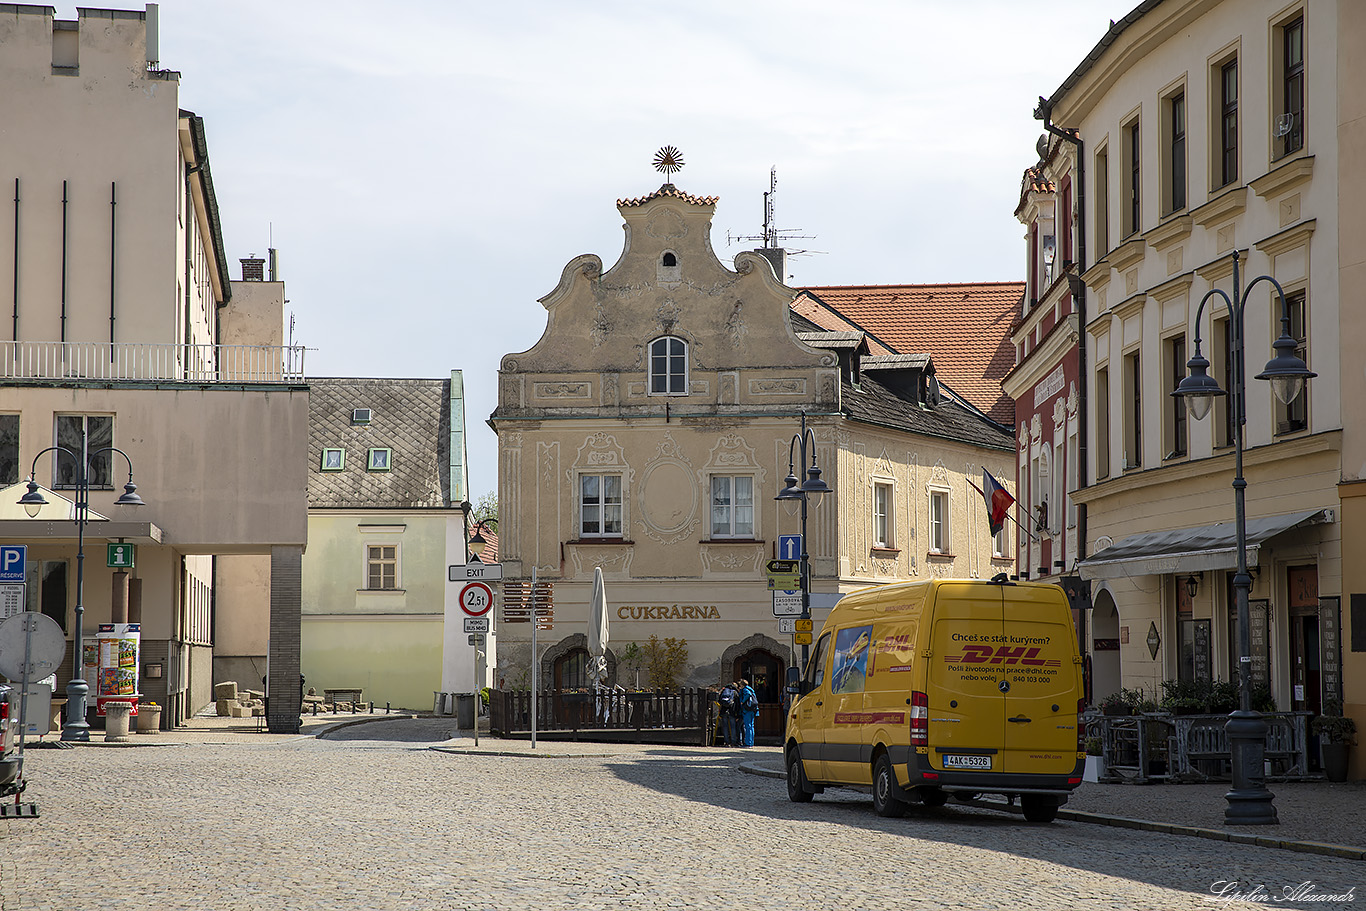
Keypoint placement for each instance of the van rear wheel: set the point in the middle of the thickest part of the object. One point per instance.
(885, 801)
(799, 790)
(1038, 809)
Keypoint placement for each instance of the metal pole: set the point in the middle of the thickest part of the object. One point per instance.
(477, 653)
(1249, 800)
(76, 728)
(806, 563)
(535, 670)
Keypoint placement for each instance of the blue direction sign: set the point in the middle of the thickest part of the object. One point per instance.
(790, 547)
(12, 559)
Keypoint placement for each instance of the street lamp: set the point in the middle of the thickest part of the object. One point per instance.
(1249, 801)
(791, 492)
(76, 727)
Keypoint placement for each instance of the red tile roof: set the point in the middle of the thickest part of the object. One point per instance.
(965, 328)
(668, 190)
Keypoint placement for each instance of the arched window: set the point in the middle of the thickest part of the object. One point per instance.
(669, 260)
(668, 366)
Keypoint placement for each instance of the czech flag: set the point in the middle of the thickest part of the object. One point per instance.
(998, 501)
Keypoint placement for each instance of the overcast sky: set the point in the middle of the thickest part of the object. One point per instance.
(426, 169)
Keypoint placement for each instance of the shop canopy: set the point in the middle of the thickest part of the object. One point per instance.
(1190, 550)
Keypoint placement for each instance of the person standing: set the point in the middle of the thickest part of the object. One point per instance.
(726, 702)
(749, 710)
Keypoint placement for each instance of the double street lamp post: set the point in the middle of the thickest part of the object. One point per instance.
(76, 727)
(803, 443)
(1249, 800)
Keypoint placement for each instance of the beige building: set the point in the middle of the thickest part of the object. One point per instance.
(122, 329)
(1211, 129)
(649, 429)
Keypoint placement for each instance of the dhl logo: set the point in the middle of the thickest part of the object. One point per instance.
(1003, 654)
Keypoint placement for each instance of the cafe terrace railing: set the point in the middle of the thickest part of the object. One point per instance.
(1158, 746)
(572, 711)
(162, 363)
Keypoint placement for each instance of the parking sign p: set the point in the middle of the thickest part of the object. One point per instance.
(12, 560)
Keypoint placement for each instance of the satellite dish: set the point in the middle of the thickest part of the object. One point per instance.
(1283, 124)
(40, 637)
(1042, 147)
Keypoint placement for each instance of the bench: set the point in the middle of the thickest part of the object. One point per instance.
(352, 695)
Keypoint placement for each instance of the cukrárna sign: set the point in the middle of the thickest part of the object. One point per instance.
(668, 612)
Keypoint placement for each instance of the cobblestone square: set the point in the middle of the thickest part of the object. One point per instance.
(373, 818)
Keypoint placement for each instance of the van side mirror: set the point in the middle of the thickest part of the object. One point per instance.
(794, 681)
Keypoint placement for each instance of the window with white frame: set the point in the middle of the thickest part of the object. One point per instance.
(381, 567)
(600, 505)
(83, 435)
(884, 521)
(939, 522)
(668, 366)
(732, 506)
(1000, 542)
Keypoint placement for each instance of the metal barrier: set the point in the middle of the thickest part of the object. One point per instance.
(1158, 746)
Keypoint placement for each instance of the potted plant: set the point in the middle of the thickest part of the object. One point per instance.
(1336, 733)
(1095, 764)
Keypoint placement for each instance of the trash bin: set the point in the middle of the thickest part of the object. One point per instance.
(464, 711)
(438, 703)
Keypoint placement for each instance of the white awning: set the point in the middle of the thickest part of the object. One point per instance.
(1189, 550)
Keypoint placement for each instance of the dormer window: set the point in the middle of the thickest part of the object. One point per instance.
(360, 415)
(668, 366)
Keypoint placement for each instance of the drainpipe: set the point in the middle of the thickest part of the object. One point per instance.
(16, 259)
(1044, 112)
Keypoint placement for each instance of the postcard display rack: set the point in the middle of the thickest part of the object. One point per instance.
(117, 676)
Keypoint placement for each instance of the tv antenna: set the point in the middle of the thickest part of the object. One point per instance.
(772, 237)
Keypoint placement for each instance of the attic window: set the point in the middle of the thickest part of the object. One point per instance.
(360, 415)
(669, 260)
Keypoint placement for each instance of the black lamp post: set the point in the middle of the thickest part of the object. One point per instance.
(792, 491)
(1249, 801)
(76, 727)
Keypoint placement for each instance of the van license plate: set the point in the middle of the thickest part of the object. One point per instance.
(967, 762)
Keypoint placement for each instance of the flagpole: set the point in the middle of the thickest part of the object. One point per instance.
(1008, 515)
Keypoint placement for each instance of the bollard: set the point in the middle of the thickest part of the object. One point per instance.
(386, 708)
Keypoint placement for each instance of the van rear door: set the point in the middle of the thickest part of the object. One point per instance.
(1041, 702)
(966, 711)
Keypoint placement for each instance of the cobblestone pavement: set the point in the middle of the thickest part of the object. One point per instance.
(371, 817)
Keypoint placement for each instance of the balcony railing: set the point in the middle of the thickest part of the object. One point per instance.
(163, 363)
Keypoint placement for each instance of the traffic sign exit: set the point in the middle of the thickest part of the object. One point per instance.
(12, 558)
(790, 547)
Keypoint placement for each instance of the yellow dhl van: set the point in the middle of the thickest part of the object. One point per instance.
(923, 689)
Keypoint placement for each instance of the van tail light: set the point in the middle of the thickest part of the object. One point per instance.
(1081, 726)
(920, 719)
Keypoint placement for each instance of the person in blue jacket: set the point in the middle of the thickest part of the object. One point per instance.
(749, 709)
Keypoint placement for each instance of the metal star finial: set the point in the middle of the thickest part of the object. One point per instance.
(668, 160)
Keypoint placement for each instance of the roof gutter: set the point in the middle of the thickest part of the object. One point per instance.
(201, 169)
(1117, 28)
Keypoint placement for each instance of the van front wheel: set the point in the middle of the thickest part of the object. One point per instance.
(799, 790)
(1038, 809)
(885, 801)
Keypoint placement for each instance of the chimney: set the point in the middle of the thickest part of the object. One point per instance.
(253, 269)
(777, 257)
